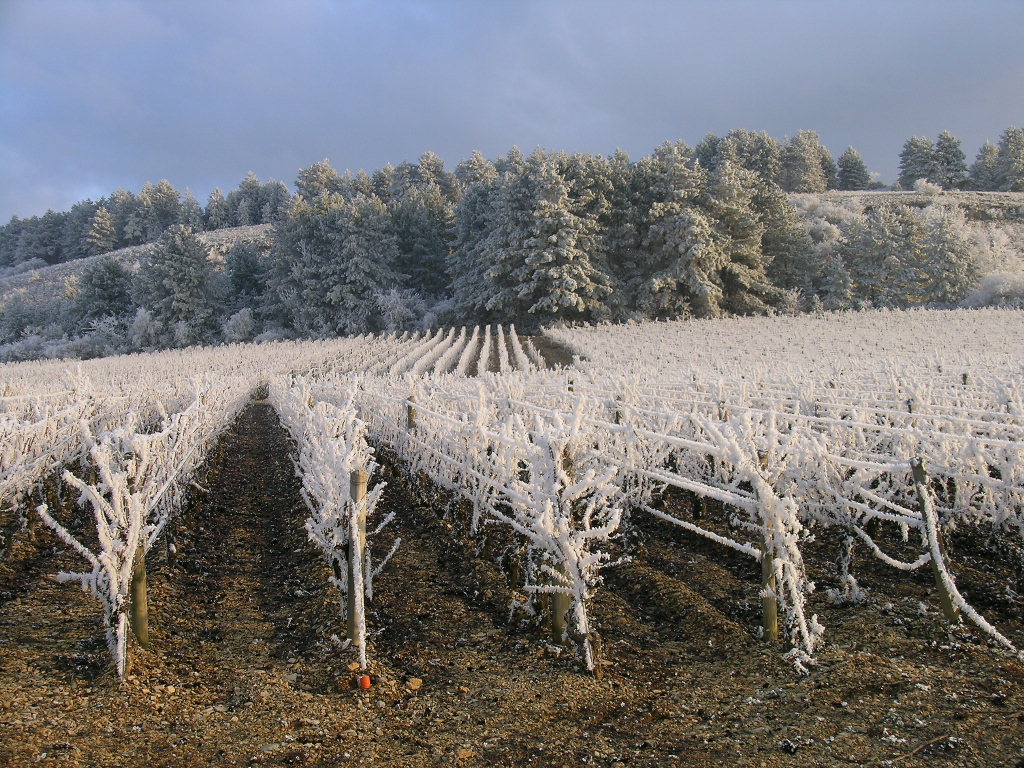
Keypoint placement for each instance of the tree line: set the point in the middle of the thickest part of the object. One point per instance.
(545, 238)
(124, 219)
(801, 163)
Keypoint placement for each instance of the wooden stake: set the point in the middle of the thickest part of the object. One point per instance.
(410, 414)
(138, 602)
(932, 531)
(769, 601)
(561, 602)
(357, 491)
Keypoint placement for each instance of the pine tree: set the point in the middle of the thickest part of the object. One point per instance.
(74, 233)
(469, 259)
(786, 245)
(123, 206)
(104, 289)
(333, 257)
(682, 256)
(835, 285)
(629, 202)
(217, 214)
(853, 173)
(917, 161)
(556, 277)
(828, 168)
(984, 174)
(950, 161)
(175, 283)
(949, 269)
(802, 166)
(1010, 162)
(740, 230)
(244, 204)
(365, 266)
(246, 270)
(161, 208)
(101, 236)
(274, 199)
(755, 151)
(316, 180)
(475, 169)
(886, 257)
(191, 215)
(421, 220)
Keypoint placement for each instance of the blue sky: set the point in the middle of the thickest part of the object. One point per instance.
(101, 94)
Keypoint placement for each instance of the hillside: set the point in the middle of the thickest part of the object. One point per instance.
(48, 283)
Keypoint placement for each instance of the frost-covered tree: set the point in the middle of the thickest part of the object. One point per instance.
(630, 197)
(834, 285)
(366, 265)
(469, 259)
(274, 199)
(176, 285)
(886, 257)
(333, 257)
(245, 267)
(556, 277)
(754, 151)
(786, 247)
(917, 161)
(984, 173)
(160, 208)
(740, 227)
(806, 164)
(102, 236)
(104, 289)
(511, 228)
(1010, 161)
(74, 242)
(421, 220)
(681, 254)
(475, 169)
(317, 179)
(217, 214)
(244, 204)
(949, 270)
(401, 309)
(191, 215)
(950, 162)
(853, 173)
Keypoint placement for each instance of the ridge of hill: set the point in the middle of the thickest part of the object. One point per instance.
(50, 281)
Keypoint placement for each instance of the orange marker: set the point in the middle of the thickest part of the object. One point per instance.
(364, 682)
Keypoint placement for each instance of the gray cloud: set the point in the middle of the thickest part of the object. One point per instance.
(104, 94)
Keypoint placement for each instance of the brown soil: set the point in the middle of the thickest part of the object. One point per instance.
(554, 353)
(244, 670)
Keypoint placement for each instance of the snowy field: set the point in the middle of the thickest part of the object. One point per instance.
(840, 457)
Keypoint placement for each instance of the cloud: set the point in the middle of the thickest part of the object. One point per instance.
(105, 94)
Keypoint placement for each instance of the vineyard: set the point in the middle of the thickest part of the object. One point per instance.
(759, 541)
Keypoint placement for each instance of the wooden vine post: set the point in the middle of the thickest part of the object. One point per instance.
(356, 546)
(769, 594)
(934, 534)
(769, 581)
(410, 414)
(561, 602)
(138, 600)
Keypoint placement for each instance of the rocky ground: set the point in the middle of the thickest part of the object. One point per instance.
(245, 667)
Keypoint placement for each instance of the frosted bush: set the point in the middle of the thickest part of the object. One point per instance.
(240, 326)
(999, 289)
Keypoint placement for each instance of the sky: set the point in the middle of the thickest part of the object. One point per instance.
(97, 95)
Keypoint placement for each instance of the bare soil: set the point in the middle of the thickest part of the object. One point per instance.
(245, 669)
